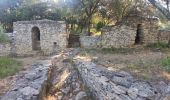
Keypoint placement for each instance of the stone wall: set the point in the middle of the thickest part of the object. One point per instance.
(149, 25)
(89, 41)
(118, 36)
(31, 84)
(164, 36)
(5, 49)
(110, 85)
(51, 32)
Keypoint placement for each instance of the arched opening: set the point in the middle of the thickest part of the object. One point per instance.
(35, 38)
(139, 34)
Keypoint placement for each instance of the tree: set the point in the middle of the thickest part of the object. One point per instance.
(88, 8)
(160, 8)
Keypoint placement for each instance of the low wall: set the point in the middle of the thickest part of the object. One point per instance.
(109, 85)
(89, 41)
(118, 36)
(31, 84)
(164, 36)
(5, 49)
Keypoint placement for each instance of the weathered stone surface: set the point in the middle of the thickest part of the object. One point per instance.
(50, 32)
(90, 41)
(118, 36)
(81, 95)
(30, 84)
(105, 86)
(142, 89)
(5, 49)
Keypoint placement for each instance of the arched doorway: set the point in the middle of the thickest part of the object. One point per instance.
(35, 38)
(139, 34)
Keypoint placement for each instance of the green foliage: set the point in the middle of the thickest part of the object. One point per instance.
(3, 37)
(165, 26)
(166, 63)
(158, 45)
(8, 66)
(99, 26)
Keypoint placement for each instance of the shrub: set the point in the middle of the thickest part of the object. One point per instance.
(99, 26)
(166, 63)
(3, 37)
(8, 66)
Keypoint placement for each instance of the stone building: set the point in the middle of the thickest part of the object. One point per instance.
(46, 36)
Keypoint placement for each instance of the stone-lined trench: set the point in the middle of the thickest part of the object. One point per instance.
(71, 77)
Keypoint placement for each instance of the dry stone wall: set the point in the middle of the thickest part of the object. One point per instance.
(90, 41)
(164, 36)
(118, 36)
(5, 49)
(31, 84)
(51, 32)
(109, 85)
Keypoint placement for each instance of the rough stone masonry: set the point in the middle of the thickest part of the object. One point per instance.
(52, 36)
(110, 85)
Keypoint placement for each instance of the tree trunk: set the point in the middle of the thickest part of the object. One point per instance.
(162, 9)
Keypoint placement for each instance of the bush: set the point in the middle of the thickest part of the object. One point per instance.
(166, 63)
(99, 26)
(8, 66)
(3, 37)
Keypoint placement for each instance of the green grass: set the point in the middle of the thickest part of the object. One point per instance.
(166, 63)
(158, 45)
(117, 50)
(9, 66)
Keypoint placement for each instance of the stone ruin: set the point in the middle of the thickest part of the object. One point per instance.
(37, 36)
(127, 32)
(47, 37)
(40, 35)
(84, 79)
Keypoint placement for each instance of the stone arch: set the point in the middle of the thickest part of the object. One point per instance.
(139, 34)
(35, 38)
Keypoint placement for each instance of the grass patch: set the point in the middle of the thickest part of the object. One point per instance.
(9, 66)
(158, 46)
(166, 63)
(117, 50)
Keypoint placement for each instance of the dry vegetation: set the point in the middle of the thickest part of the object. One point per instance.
(144, 63)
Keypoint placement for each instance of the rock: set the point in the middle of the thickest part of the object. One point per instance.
(65, 90)
(81, 95)
(133, 93)
(29, 91)
(29, 84)
(122, 81)
(125, 97)
(167, 97)
(142, 89)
